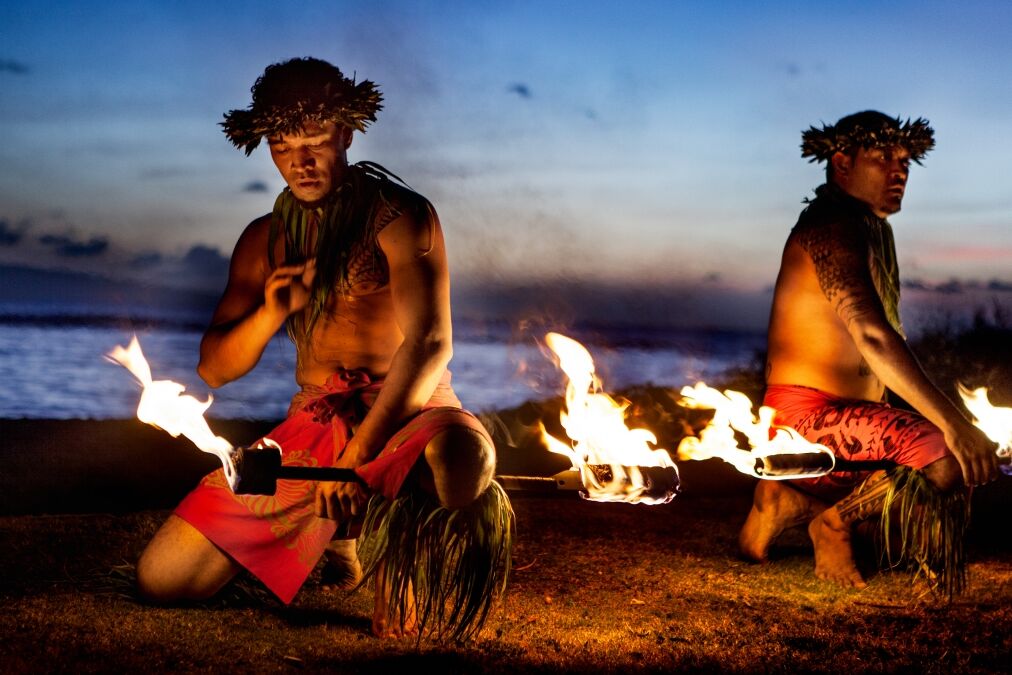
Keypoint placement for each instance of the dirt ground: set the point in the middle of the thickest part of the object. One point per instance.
(597, 588)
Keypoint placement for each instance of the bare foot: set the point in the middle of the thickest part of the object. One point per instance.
(775, 507)
(834, 557)
(342, 570)
(386, 619)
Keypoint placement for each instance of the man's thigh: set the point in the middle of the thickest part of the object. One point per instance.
(867, 431)
(861, 430)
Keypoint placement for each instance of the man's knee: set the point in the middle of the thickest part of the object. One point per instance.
(462, 462)
(179, 564)
(945, 474)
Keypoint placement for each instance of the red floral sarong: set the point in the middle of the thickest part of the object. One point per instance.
(854, 429)
(278, 537)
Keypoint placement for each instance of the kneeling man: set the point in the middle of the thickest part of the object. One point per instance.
(353, 263)
(836, 345)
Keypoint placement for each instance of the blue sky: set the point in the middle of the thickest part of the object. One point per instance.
(644, 145)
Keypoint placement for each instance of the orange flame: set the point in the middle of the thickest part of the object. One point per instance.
(995, 422)
(733, 412)
(163, 405)
(595, 424)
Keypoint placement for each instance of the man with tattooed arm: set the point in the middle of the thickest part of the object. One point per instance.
(836, 345)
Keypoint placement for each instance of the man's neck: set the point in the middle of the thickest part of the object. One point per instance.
(840, 192)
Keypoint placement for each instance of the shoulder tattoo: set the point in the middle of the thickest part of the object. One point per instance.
(840, 255)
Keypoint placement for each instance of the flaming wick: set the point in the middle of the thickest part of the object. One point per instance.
(164, 406)
(615, 462)
(995, 422)
(777, 452)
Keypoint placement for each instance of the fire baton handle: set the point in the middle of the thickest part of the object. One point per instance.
(565, 481)
(258, 471)
(319, 473)
(789, 466)
(862, 464)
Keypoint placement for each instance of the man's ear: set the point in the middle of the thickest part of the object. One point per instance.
(841, 164)
(348, 135)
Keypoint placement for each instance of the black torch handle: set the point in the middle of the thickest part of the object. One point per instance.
(862, 464)
(319, 473)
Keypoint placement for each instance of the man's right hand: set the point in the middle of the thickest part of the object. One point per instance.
(976, 453)
(289, 288)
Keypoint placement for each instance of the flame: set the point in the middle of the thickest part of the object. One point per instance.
(163, 405)
(733, 412)
(995, 422)
(595, 424)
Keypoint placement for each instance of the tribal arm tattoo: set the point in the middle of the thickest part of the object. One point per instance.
(840, 254)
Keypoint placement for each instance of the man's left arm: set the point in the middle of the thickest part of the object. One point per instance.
(839, 255)
(420, 289)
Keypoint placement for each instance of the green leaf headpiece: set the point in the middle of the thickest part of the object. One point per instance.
(297, 92)
(868, 129)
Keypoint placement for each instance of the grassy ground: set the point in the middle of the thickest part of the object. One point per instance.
(598, 588)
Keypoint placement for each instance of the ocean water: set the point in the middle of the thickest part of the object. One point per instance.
(55, 368)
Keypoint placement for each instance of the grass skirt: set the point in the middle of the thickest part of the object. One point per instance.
(453, 564)
(923, 530)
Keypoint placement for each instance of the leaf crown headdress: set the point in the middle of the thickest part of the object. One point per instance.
(297, 92)
(868, 129)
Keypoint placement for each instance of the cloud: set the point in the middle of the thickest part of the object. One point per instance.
(146, 260)
(951, 287)
(255, 186)
(571, 303)
(956, 286)
(10, 236)
(15, 67)
(520, 89)
(67, 247)
(205, 260)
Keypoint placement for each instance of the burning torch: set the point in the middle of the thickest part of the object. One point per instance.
(781, 453)
(254, 470)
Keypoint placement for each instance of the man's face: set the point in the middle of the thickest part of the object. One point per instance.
(876, 176)
(312, 161)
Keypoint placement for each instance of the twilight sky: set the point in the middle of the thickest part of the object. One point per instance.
(630, 145)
